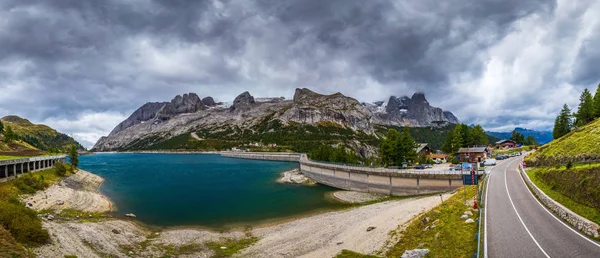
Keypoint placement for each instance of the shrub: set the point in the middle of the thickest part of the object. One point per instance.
(29, 184)
(60, 169)
(22, 223)
(569, 165)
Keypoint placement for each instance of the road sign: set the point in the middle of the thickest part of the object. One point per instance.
(469, 180)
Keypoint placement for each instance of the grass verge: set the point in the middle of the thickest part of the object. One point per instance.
(229, 247)
(450, 237)
(10, 157)
(583, 210)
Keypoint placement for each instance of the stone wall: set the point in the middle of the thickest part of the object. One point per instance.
(582, 224)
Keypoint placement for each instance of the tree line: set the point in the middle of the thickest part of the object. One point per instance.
(463, 135)
(519, 138)
(587, 111)
(398, 147)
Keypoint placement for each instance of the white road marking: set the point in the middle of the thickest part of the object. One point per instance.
(519, 216)
(553, 216)
(485, 212)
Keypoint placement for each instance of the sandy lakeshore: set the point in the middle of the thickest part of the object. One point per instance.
(323, 235)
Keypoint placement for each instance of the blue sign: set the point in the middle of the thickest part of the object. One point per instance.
(468, 180)
(466, 165)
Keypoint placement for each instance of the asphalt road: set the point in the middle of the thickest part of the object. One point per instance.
(517, 225)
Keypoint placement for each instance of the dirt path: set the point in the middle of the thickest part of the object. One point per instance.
(195, 136)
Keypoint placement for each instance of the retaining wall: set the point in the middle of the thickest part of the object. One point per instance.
(582, 224)
(10, 169)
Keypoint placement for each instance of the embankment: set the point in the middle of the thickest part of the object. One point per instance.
(274, 156)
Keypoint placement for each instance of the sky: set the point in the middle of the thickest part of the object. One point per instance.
(83, 66)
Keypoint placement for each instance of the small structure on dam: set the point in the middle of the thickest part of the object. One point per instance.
(363, 179)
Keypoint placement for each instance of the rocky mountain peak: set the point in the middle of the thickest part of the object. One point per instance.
(242, 102)
(209, 101)
(419, 97)
(188, 103)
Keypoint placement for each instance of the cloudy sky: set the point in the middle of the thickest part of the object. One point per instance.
(82, 66)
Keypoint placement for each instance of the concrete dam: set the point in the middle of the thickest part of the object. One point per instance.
(396, 182)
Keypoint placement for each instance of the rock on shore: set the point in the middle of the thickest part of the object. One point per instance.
(295, 177)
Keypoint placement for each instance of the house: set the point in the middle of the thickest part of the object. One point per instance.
(423, 149)
(473, 154)
(506, 144)
(438, 158)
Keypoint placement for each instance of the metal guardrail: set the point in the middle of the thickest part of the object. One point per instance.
(479, 207)
(23, 160)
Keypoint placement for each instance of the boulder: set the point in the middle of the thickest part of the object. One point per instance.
(116, 231)
(469, 221)
(370, 228)
(464, 217)
(416, 253)
(425, 219)
(131, 215)
(426, 228)
(468, 213)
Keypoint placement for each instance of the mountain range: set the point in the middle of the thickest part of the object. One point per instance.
(542, 137)
(191, 122)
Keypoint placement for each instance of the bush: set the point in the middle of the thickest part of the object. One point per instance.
(569, 165)
(60, 169)
(22, 223)
(29, 184)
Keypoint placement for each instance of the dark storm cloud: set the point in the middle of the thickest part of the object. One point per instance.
(99, 60)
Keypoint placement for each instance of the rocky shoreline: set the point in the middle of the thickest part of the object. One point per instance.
(364, 229)
(294, 176)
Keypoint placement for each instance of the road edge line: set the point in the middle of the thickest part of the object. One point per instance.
(485, 213)
(519, 216)
(552, 214)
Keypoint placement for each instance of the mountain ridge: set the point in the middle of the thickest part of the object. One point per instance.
(542, 137)
(156, 122)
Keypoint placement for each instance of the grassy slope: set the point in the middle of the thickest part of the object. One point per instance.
(584, 140)
(9, 246)
(38, 135)
(558, 194)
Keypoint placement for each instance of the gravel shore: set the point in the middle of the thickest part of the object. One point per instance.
(79, 192)
(357, 197)
(294, 176)
(322, 235)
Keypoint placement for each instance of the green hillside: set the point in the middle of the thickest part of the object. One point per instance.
(579, 145)
(35, 137)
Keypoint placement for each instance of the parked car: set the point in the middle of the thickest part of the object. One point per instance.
(428, 166)
(490, 162)
(419, 167)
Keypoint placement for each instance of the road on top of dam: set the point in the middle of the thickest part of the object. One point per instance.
(517, 225)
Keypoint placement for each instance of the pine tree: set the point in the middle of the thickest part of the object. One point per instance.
(585, 112)
(563, 123)
(457, 140)
(406, 147)
(447, 147)
(529, 140)
(467, 137)
(388, 149)
(479, 136)
(1, 126)
(597, 102)
(74, 156)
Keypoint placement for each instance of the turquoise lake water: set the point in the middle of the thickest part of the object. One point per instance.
(203, 189)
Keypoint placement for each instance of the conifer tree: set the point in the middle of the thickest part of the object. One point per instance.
(585, 112)
(1, 126)
(563, 123)
(457, 140)
(597, 103)
(479, 136)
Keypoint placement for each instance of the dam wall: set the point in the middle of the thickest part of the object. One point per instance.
(396, 182)
(373, 180)
(274, 156)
